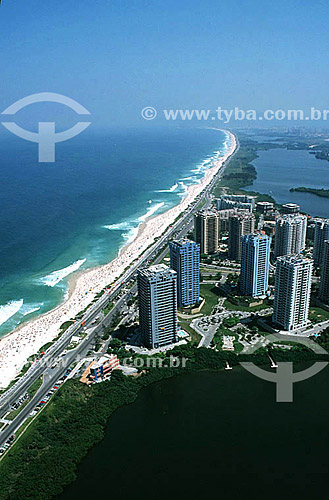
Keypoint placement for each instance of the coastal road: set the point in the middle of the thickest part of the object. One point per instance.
(52, 375)
(179, 229)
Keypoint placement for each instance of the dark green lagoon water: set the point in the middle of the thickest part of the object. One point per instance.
(213, 434)
(278, 170)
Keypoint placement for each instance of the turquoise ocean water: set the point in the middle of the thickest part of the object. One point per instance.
(79, 211)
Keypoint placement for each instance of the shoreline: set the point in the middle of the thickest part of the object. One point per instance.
(17, 346)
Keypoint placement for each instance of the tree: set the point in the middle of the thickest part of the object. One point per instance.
(115, 344)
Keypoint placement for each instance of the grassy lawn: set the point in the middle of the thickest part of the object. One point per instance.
(185, 325)
(234, 307)
(211, 295)
(317, 314)
(34, 387)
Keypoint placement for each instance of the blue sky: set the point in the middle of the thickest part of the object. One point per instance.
(115, 57)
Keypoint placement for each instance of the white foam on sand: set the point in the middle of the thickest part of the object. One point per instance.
(31, 308)
(129, 229)
(8, 310)
(150, 211)
(170, 190)
(55, 277)
(26, 340)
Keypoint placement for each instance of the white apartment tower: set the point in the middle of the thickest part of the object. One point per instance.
(293, 279)
(290, 234)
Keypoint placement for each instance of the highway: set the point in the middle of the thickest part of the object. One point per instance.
(43, 366)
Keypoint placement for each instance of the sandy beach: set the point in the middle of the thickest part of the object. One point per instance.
(19, 345)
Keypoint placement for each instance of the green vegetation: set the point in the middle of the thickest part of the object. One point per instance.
(117, 346)
(225, 329)
(317, 314)
(65, 326)
(32, 390)
(240, 304)
(239, 172)
(211, 295)
(108, 308)
(44, 347)
(233, 279)
(324, 193)
(323, 340)
(195, 336)
(45, 457)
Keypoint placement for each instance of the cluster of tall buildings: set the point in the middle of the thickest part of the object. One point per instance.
(161, 290)
(293, 275)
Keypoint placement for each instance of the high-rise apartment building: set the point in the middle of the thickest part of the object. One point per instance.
(206, 230)
(185, 260)
(290, 208)
(321, 234)
(324, 283)
(290, 235)
(228, 201)
(239, 225)
(157, 297)
(293, 279)
(255, 264)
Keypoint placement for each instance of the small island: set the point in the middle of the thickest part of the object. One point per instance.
(324, 193)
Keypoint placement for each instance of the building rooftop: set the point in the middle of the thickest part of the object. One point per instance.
(256, 236)
(184, 241)
(291, 205)
(207, 212)
(291, 217)
(103, 360)
(294, 259)
(157, 270)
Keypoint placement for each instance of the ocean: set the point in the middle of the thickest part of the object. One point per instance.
(78, 212)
